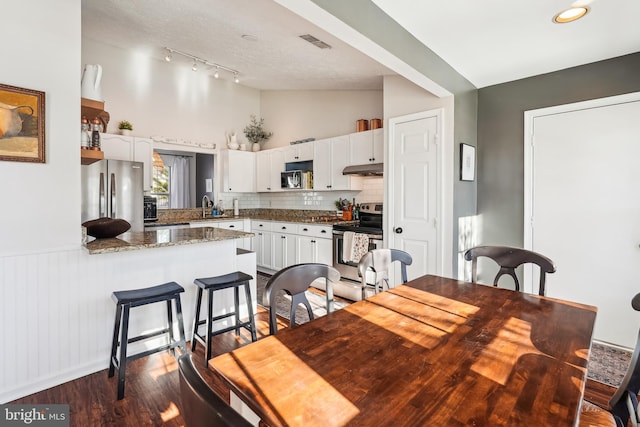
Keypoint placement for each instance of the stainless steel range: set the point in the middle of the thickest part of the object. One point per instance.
(370, 224)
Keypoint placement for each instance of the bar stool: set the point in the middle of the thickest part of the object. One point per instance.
(125, 300)
(217, 283)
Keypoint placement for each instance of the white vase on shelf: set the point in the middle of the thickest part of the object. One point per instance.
(255, 146)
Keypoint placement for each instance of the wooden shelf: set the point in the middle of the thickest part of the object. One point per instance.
(94, 109)
(90, 156)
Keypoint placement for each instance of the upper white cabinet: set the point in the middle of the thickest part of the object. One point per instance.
(269, 165)
(366, 147)
(331, 156)
(298, 152)
(238, 171)
(119, 147)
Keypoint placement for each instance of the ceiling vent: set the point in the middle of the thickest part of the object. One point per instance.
(314, 41)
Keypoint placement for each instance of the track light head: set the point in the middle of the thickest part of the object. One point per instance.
(235, 78)
(168, 56)
(216, 74)
(194, 67)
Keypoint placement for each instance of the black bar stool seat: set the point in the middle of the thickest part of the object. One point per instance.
(211, 284)
(125, 300)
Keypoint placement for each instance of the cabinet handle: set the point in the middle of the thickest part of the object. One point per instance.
(323, 231)
(229, 189)
(283, 237)
(231, 226)
(313, 241)
(305, 229)
(284, 228)
(258, 225)
(328, 186)
(269, 188)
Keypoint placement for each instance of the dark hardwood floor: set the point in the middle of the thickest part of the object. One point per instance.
(152, 395)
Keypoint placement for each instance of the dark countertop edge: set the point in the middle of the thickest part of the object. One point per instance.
(121, 245)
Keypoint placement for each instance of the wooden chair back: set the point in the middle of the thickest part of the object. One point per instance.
(509, 259)
(382, 270)
(625, 400)
(201, 406)
(295, 280)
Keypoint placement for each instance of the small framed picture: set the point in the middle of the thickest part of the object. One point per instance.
(467, 162)
(21, 124)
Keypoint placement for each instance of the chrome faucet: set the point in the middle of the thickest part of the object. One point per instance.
(205, 205)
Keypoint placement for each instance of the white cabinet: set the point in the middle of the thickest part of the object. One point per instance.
(331, 156)
(238, 171)
(314, 244)
(298, 152)
(284, 245)
(270, 163)
(366, 147)
(116, 147)
(262, 243)
(119, 147)
(143, 152)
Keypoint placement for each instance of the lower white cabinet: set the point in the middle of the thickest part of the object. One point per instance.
(281, 244)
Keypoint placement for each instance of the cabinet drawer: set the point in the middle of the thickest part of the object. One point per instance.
(261, 225)
(322, 231)
(284, 227)
(231, 225)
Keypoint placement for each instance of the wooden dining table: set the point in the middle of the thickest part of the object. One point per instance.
(432, 352)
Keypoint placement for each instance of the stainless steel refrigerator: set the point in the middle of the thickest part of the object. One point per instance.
(114, 189)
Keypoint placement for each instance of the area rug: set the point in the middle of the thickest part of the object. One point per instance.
(608, 364)
(316, 298)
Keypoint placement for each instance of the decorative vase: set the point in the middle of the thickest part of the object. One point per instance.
(125, 132)
(255, 146)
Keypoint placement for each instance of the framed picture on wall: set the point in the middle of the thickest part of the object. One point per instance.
(21, 124)
(467, 162)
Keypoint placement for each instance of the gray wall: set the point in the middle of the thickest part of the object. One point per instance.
(501, 134)
(365, 17)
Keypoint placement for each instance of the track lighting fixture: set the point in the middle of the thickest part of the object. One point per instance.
(196, 60)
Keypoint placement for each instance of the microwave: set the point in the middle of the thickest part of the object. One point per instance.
(296, 179)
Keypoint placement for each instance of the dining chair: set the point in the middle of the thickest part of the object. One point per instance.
(294, 281)
(509, 259)
(623, 404)
(201, 406)
(380, 262)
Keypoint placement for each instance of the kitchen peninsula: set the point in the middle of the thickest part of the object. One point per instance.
(162, 238)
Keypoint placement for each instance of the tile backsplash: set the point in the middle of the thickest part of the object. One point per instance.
(320, 200)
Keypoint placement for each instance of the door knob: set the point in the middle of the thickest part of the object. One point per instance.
(398, 230)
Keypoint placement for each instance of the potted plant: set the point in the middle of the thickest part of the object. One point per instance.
(255, 132)
(125, 127)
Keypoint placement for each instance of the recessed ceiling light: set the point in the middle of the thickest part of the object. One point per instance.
(570, 15)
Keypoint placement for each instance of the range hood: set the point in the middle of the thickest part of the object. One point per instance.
(370, 169)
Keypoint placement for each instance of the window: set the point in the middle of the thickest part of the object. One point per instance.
(161, 182)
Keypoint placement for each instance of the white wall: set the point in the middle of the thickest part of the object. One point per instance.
(168, 99)
(296, 115)
(46, 57)
(401, 97)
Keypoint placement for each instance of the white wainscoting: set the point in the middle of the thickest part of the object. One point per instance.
(57, 314)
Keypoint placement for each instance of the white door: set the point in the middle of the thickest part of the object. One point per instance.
(584, 207)
(414, 204)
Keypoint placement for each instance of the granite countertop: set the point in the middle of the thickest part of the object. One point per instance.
(162, 238)
(318, 219)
